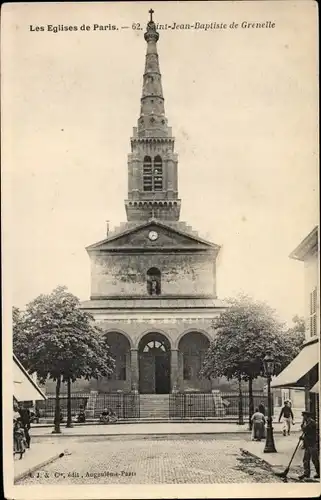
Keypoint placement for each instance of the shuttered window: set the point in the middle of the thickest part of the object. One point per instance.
(153, 174)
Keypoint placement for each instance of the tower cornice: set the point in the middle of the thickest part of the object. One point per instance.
(152, 139)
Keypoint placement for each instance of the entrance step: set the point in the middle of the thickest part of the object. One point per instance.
(154, 406)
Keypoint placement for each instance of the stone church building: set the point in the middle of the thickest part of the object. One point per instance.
(153, 278)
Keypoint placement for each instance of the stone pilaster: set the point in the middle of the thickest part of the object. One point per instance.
(174, 370)
(134, 368)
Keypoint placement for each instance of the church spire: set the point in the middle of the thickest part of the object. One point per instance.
(152, 119)
(152, 163)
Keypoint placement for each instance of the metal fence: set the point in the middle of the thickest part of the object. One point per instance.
(47, 407)
(222, 405)
(126, 406)
(219, 405)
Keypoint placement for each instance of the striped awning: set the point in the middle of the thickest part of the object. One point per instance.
(300, 366)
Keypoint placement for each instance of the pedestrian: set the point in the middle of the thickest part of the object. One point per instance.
(309, 438)
(288, 419)
(258, 425)
(25, 421)
(104, 416)
(262, 408)
(81, 417)
(19, 443)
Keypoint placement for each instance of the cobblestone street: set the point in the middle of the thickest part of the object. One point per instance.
(152, 461)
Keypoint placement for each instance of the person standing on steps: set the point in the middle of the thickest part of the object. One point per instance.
(288, 419)
(309, 438)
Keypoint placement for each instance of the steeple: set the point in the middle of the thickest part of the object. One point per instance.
(152, 164)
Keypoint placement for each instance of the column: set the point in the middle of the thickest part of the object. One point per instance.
(174, 369)
(134, 368)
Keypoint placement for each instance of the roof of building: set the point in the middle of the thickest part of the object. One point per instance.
(25, 388)
(152, 303)
(179, 227)
(307, 246)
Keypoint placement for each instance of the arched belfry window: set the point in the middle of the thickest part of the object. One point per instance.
(153, 174)
(153, 281)
(148, 174)
(158, 174)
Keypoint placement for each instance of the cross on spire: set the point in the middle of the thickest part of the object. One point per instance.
(151, 14)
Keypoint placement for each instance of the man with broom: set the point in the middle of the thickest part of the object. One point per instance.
(309, 438)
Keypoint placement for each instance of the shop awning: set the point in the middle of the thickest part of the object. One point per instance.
(315, 388)
(24, 388)
(293, 374)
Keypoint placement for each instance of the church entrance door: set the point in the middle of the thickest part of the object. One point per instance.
(154, 364)
(162, 378)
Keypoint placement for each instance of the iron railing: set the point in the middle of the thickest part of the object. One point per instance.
(47, 407)
(219, 405)
(222, 405)
(126, 406)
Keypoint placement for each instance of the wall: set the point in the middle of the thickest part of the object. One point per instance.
(124, 274)
(311, 274)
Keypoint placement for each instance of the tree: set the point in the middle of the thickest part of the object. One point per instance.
(20, 337)
(245, 332)
(56, 339)
(297, 333)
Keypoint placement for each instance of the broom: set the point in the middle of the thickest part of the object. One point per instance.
(286, 471)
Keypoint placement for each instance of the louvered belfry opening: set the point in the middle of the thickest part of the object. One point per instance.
(153, 174)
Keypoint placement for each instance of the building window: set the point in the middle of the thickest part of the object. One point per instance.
(153, 174)
(153, 281)
(148, 174)
(313, 313)
(158, 174)
(154, 344)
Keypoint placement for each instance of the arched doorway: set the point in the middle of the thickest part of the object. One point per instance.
(154, 364)
(192, 349)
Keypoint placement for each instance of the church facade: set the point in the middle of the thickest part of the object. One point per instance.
(153, 278)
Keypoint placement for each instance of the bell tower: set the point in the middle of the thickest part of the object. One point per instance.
(152, 163)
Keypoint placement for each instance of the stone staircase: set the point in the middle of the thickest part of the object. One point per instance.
(154, 406)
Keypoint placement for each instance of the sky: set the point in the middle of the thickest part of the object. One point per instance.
(242, 104)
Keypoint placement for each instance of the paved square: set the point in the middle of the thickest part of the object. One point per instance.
(151, 461)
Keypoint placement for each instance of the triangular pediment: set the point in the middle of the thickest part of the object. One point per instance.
(154, 235)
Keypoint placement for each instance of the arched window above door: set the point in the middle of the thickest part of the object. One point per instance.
(154, 344)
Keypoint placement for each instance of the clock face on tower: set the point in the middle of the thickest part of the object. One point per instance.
(153, 235)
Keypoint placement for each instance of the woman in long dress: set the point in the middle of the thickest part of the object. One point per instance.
(19, 438)
(258, 425)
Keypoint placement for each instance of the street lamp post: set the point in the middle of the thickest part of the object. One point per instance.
(268, 363)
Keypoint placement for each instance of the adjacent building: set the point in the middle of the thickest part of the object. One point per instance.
(303, 371)
(25, 388)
